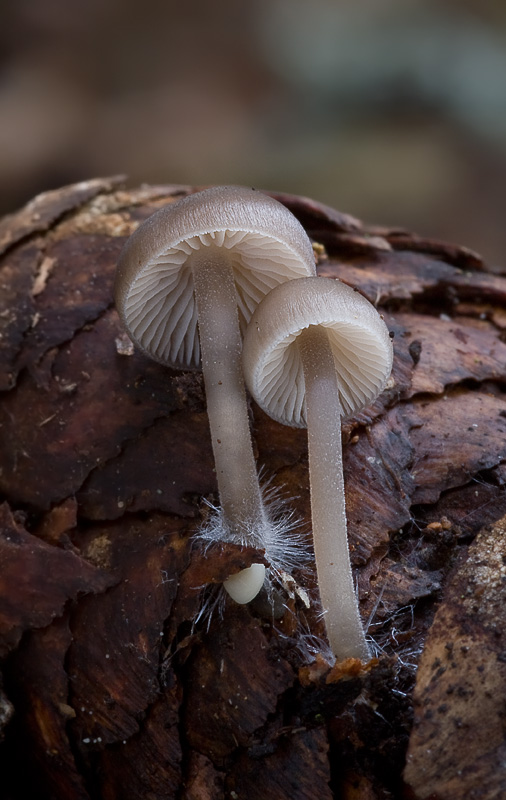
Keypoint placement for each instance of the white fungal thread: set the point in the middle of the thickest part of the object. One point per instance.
(282, 539)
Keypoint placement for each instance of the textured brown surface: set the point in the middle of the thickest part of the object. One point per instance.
(461, 686)
(36, 580)
(120, 688)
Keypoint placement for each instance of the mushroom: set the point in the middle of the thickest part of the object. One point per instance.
(203, 264)
(315, 351)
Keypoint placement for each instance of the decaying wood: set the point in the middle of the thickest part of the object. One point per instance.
(115, 684)
(459, 694)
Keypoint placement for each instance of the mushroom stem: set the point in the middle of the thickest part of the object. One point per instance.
(344, 628)
(221, 348)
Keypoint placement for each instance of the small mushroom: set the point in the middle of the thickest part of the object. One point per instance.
(316, 350)
(187, 282)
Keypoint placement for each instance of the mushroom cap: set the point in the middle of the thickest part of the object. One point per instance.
(359, 339)
(244, 586)
(261, 239)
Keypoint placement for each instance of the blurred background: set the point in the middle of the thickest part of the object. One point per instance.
(392, 110)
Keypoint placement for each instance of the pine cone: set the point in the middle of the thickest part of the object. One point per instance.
(125, 673)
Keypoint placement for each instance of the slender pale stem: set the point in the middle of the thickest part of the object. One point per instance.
(221, 347)
(342, 619)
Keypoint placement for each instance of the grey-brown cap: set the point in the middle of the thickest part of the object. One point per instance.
(263, 241)
(361, 347)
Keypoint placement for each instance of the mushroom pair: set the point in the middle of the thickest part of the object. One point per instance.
(187, 283)
(314, 350)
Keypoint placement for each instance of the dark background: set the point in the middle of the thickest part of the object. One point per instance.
(392, 110)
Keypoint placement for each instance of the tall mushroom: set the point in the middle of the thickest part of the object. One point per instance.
(187, 282)
(314, 351)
